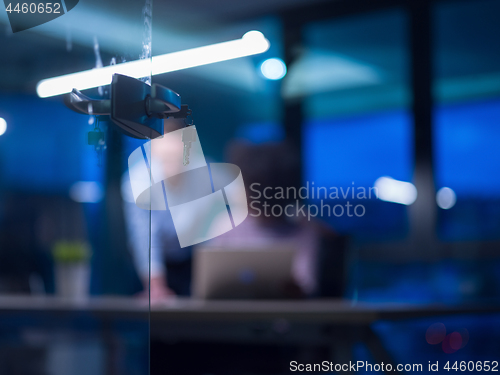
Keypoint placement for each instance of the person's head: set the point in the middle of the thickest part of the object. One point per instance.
(267, 165)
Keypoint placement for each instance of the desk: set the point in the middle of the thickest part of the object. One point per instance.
(333, 323)
(326, 311)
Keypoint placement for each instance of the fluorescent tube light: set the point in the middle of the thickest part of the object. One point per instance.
(252, 43)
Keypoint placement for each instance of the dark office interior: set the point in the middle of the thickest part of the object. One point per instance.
(391, 106)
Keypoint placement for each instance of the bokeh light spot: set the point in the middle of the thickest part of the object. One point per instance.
(435, 333)
(446, 198)
(447, 345)
(3, 126)
(273, 69)
(455, 340)
(465, 337)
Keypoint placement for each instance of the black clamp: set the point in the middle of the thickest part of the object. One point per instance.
(135, 107)
(185, 112)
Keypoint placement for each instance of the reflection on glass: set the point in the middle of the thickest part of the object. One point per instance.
(63, 241)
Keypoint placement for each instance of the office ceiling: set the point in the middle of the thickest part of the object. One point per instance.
(66, 44)
(191, 12)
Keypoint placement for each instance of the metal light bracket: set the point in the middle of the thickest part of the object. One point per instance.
(135, 107)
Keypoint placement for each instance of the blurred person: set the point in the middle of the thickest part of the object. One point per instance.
(269, 165)
(274, 165)
(170, 270)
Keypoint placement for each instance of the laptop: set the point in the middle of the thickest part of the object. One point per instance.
(254, 273)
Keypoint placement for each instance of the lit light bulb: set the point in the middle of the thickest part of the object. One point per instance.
(3, 126)
(273, 69)
(446, 198)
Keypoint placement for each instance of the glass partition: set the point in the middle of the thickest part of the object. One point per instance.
(353, 75)
(74, 248)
